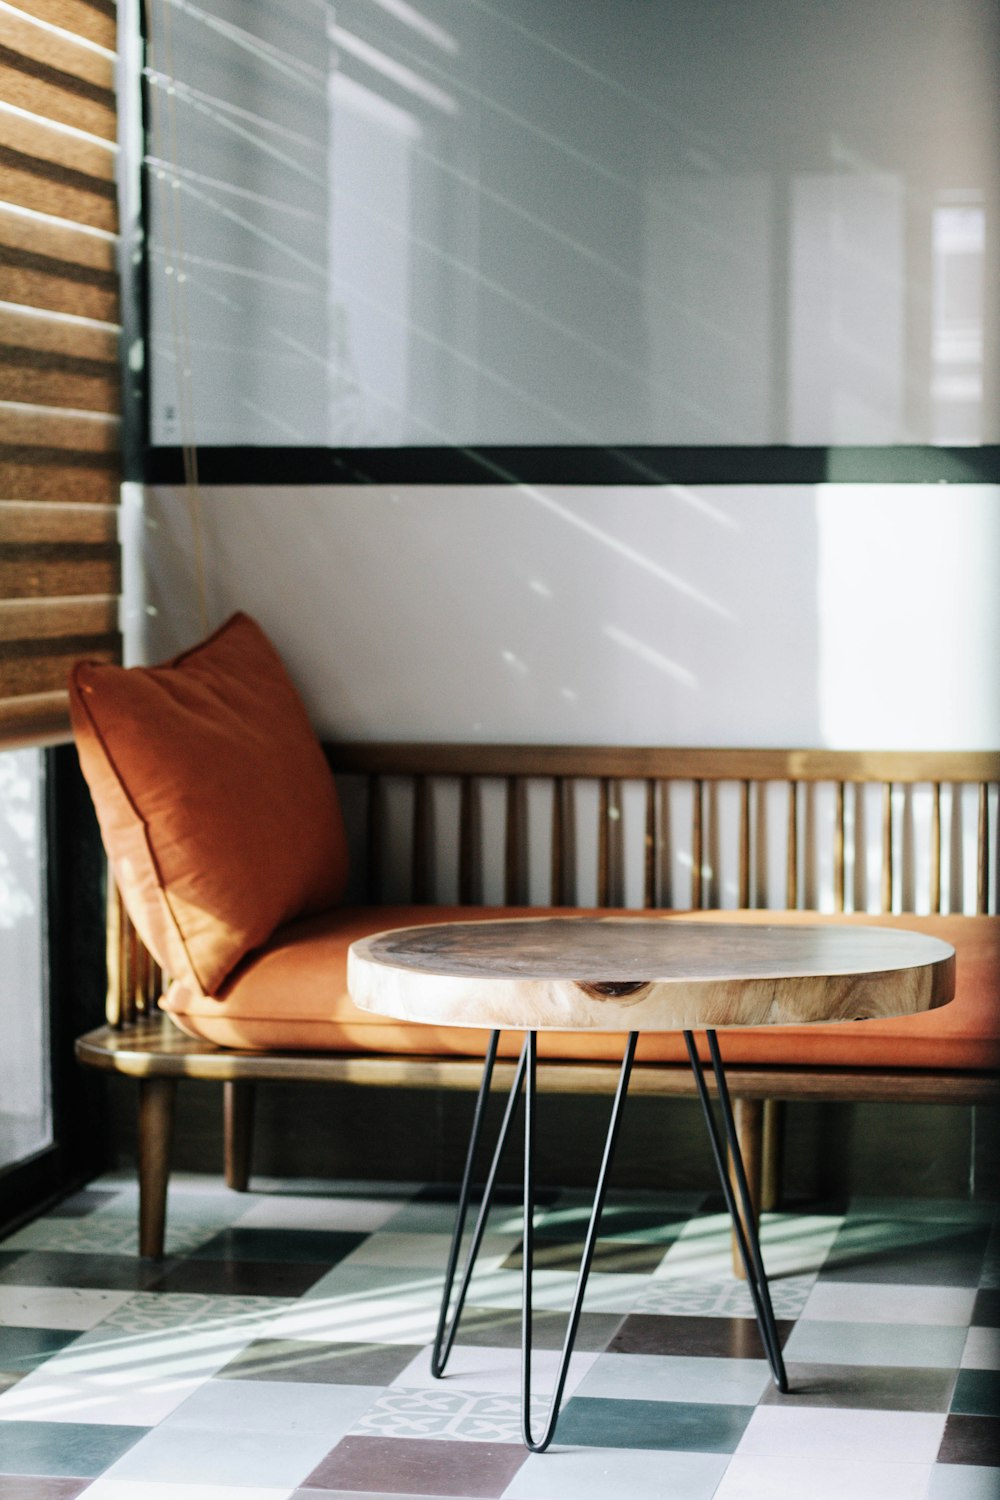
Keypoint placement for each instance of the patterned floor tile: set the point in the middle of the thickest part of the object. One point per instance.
(723, 1297)
(394, 1466)
(700, 1427)
(602, 1473)
(871, 1387)
(301, 1360)
(56, 1306)
(283, 1351)
(446, 1415)
(704, 1338)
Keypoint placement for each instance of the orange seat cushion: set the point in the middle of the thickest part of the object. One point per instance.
(217, 807)
(293, 996)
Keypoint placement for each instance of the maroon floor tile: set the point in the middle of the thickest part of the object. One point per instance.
(709, 1338)
(41, 1487)
(970, 1440)
(414, 1466)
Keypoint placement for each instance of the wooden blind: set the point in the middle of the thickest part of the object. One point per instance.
(59, 380)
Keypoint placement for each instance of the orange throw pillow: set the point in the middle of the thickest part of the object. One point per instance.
(217, 808)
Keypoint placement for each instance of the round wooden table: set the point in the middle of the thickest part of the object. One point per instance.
(632, 974)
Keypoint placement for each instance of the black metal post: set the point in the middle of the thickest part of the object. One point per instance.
(539, 1445)
(745, 1229)
(443, 1340)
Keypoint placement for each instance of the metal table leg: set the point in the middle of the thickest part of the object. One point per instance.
(746, 1227)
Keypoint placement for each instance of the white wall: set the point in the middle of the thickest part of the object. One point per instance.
(843, 616)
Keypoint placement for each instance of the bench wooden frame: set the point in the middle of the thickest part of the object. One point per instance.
(139, 1043)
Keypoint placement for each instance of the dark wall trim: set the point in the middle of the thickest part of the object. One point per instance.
(596, 466)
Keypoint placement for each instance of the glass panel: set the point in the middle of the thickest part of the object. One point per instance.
(25, 1103)
(448, 222)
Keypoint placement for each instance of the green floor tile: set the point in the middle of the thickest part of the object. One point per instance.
(63, 1448)
(977, 1393)
(689, 1427)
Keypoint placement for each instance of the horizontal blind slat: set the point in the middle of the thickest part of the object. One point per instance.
(93, 19)
(40, 570)
(47, 619)
(59, 97)
(29, 667)
(48, 189)
(35, 43)
(38, 138)
(35, 719)
(60, 433)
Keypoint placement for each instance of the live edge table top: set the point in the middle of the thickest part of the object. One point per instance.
(617, 973)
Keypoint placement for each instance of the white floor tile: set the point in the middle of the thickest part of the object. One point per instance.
(791, 1244)
(876, 1437)
(426, 1251)
(868, 1302)
(749, 1477)
(964, 1482)
(290, 1211)
(56, 1307)
(137, 1489)
(603, 1473)
(982, 1349)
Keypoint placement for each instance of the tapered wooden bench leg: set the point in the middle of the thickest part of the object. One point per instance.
(238, 1105)
(749, 1117)
(772, 1157)
(156, 1128)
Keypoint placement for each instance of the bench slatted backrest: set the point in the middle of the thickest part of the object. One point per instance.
(841, 824)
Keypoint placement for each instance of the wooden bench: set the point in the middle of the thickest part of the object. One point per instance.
(602, 827)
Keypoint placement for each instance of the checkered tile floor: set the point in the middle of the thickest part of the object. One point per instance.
(281, 1351)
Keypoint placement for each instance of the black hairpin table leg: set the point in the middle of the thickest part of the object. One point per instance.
(539, 1444)
(745, 1227)
(445, 1336)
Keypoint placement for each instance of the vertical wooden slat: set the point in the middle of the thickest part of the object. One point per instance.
(465, 842)
(128, 948)
(650, 851)
(744, 885)
(558, 869)
(373, 876)
(936, 849)
(418, 847)
(838, 851)
(697, 856)
(603, 842)
(887, 846)
(511, 841)
(983, 852)
(792, 854)
(113, 939)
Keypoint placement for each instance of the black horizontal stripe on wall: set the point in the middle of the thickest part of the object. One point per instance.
(915, 464)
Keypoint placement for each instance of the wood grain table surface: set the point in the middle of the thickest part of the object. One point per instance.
(647, 973)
